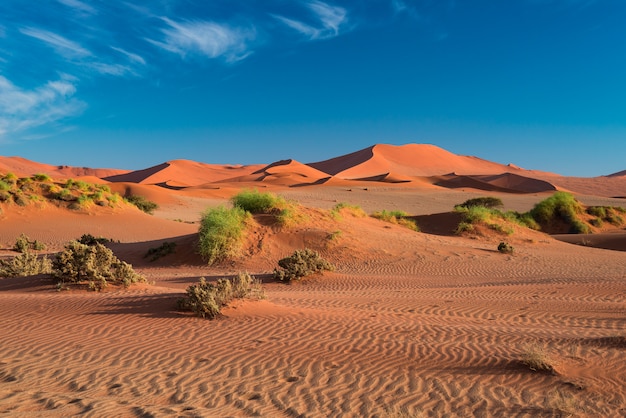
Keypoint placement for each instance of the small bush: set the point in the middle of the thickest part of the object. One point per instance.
(23, 243)
(487, 202)
(25, 264)
(161, 251)
(41, 177)
(221, 233)
(505, 248)
(89, 239)
(10, 178)
(300, 264)
(254, 201)
(353, 210)
(397, 217)
(142, 203)
(95, 264)
(206, 299)
(4, 186)
(560, 207)
(537, 359)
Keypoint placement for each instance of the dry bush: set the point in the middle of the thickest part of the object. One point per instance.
(300, 264)
(25, 264)
(538, 359)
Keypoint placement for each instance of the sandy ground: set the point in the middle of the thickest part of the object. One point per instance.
(409, 324)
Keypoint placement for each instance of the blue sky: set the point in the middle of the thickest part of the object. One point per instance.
(130, 84)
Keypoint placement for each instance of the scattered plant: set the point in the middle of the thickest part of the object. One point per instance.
(397, 217)
(161, 251)
(300, 264)
(487, 202)
(95, 264)
(142, 203)
(505, 248)
(40, 177)
(537, 358)
(353, 210)
(254, 201)
(23, 243)
(25, 264)
(206, 299)
(89, 239)
(221, 232)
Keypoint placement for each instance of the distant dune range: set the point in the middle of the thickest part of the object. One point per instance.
(405, 165)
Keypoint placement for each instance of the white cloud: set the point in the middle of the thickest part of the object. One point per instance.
(330, 18)
(22, 110)
(206, 38)
(63, 46)
(79, 6)
(132, 57)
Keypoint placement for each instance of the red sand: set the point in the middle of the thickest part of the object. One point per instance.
(409, 324)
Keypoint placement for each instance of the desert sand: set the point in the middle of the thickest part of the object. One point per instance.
(427, 323)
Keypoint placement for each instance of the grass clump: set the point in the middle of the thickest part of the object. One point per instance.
(42, 178)
(221, 233)
(142, 203)
(537, 359)
(206, 299)
(346, 208)
(255, 202)
(608, 214)
(397, 217)
(487, 202)
(300, 264)
(94, 264)
(560, 208)
(161, 251)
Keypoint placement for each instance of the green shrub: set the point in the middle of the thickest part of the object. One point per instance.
(89, 239)
(487, 202)
(41, 177)
(597, 211)
(95, 264)
(505, 248)
(353, 210)
(221, 233)
(254, 201)
(206, 299)
(25, 264)
(142, 203)
(4, 186)
(397, 217)
(560, 206)
(161, 251)
(22, 244)
(300, 264)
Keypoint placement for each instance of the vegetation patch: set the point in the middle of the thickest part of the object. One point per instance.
(207, 299)
(286, 213)
(142, 203)
(397, 217)
(222, 231)
(487, 202)
(505, 248)
(26, 263)
(345, 208)
(537, 359)
(161, 251)
(94, 264)
(23, 243)
(561, 210)
(300, 264)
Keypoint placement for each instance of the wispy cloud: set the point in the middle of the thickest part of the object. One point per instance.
(329, 21)
(63, 46)
(23, 110)
(79, 6)
(132, 57)
(211, 39)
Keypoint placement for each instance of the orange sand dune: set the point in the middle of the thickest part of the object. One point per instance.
(409, 160)
(184, 173)
(506, 182)
(23, 167)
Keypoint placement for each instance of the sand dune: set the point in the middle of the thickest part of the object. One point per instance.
(507, 182)
(409, 160)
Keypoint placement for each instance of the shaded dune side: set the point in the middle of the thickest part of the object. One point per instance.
(290, 172)
(416, 160)
(184, 173)
(506, 182)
